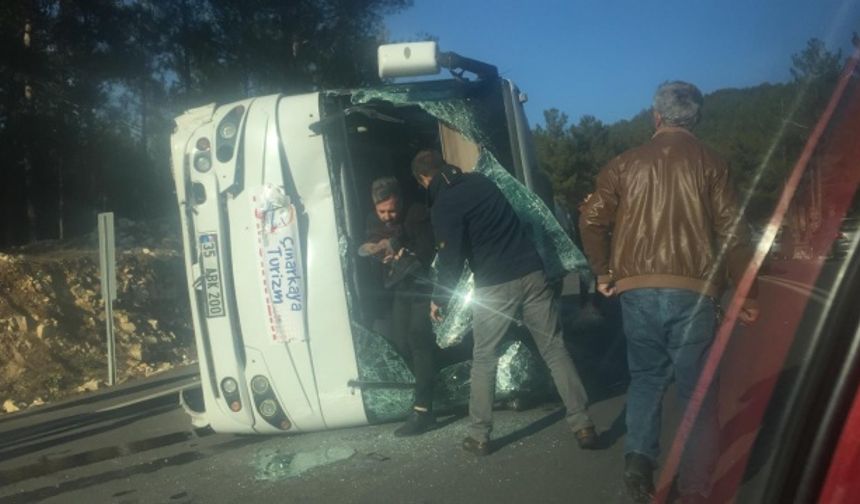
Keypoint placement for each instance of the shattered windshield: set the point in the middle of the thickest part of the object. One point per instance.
(385, 380)
(479, 124)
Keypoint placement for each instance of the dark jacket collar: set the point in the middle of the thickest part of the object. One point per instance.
(449, 176)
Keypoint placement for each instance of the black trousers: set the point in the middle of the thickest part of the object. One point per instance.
(412, 336)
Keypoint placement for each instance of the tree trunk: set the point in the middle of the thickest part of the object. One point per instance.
(61, 232)
(186, 57)
(28, 193)
(144, 124)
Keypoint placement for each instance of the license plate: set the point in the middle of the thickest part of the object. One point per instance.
(213, 293)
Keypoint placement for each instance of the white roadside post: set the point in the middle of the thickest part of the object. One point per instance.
(107, 263)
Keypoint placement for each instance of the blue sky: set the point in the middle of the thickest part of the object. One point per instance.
(605, 58)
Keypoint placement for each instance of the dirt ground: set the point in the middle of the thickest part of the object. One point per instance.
(52, 321)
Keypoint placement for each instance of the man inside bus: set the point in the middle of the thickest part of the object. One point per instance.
(403, 242)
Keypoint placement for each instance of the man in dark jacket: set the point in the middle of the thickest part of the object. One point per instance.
(659, 229)
(473, 221)
(403, 242)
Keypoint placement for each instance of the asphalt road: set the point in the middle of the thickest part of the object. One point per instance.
(139, 447)
(155, 456)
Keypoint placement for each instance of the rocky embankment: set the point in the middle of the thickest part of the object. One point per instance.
(52, 321)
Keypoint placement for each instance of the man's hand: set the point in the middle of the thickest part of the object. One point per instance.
(367, 249)
(374, 248)
(391, 256)
(606, 289)
(435, 312)
(748, 314)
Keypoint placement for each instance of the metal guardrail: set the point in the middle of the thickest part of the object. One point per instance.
(107, 264)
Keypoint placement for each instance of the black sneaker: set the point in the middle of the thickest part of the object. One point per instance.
(638, 476)
(417, 423)
(479, 448)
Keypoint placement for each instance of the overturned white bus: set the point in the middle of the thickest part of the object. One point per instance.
(273, 193)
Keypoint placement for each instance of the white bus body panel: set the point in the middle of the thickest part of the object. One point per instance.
(329, 327)
(207, 217)
(309, 363)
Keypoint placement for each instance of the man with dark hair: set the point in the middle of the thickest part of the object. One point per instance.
(473, 221)
(404, 244)
(659, 229)
(385, 223)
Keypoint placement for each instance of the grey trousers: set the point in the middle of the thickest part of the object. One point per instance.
(493, 310)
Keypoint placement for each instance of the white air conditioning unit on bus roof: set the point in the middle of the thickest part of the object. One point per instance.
(413, 59)
(408, 59)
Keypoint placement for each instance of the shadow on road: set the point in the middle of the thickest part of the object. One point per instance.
(29, 439)
(183, 458)
(531, 429)
(616, 430)
(456, 415)
(606, 439)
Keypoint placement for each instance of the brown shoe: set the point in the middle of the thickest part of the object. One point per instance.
(587, 438)
(479, 448)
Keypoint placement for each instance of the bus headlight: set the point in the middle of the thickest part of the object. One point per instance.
(268, 408)
(228, 134)
(229, 386)
(260, 384)
(202, 163)
(228, 130)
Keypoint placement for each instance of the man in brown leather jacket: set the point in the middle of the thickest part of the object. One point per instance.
(661, 229)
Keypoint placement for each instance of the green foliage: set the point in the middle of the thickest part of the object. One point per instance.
(815, 63)
(108, 76)
(572, 155)
(760, 130)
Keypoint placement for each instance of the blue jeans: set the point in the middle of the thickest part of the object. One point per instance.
(669, 332)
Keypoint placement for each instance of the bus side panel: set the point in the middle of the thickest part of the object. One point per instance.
(329, 329)
(287, 364)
